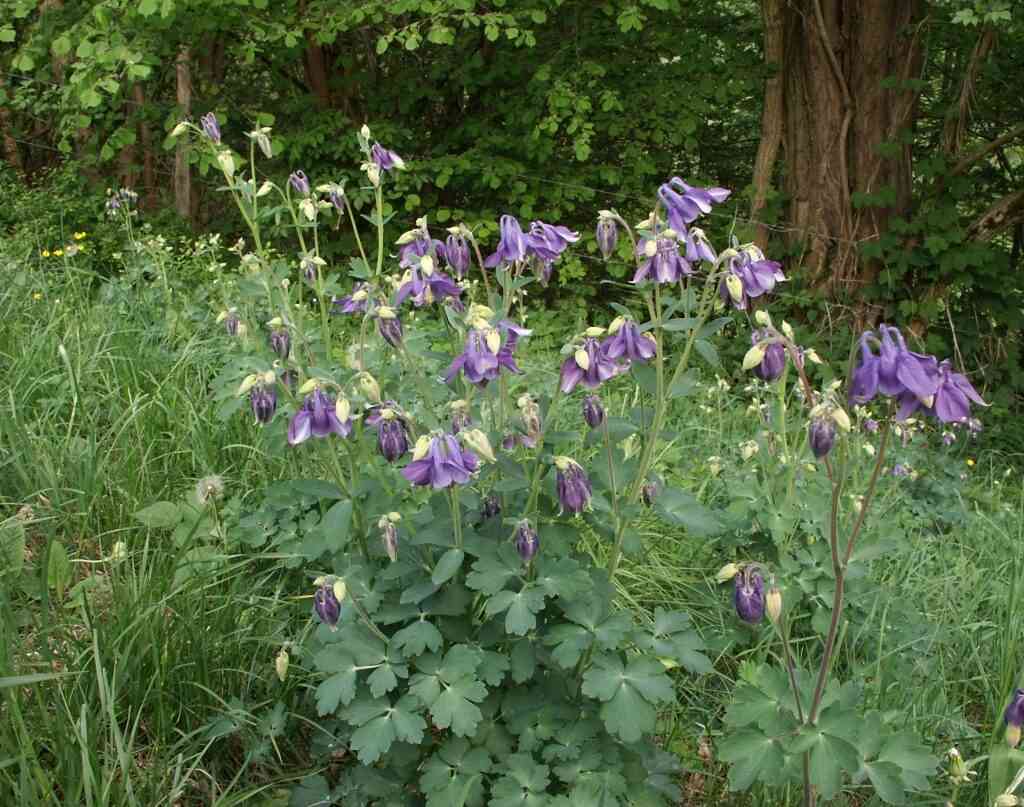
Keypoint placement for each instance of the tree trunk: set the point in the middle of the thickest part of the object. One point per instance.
(837, 114)
(182, 175)
(771, 114)
(314, 63)
(150, 199)
(12, 153)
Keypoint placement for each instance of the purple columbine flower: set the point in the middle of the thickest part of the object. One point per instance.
(821, 436)
(456, 255)
(607, 235)
(684, 203)
(662, 262)
(389, 326)
(486, 352)
(281, 342)
(231, 322)
(263, 400)
(895, 371)
(750, 275)
(392, 438)
(354, 303)
(527, 541)
(428, 288)
(210, 127)
(385, 159)
(326, 605)
(573, 485)
(948, 438)
(299, 182)
(308, 268)
(546, 242)
(440, 462)
(698, 248)
(317, 418)
(748, 595)
(774, 361)
(1013, 717)
(593, 411)
(900, 470)
(589, 365)
(871, 425)
(410, 256)
(461, 418)
(511, 246)
(952, 398)
(625, 340)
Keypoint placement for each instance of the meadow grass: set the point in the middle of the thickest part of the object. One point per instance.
(124, 682)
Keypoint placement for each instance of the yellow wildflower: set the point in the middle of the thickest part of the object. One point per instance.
(58, 253)
(80, 235)
(970, 463)
(38, 295)
(46, 253)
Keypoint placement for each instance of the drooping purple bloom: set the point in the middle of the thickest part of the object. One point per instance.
(263, 400)
(607, 235)
(774, 361)
(389, 537)
(628, 342)
(871, 425)
(440, 462)
(952, 397)
(948, 438)
(308, 268)
(299, 182)
(461, 419)
(326, 606)
(385, 159)
(392, 438)
(456, 255)
(375, 413)
(210, 127)
(573, 485)
(410, 256)
(511, 245)
(317, 418)
(821, 435)
(281, 342)
(900, 470)
(684, 203)
(354, 303)
(895, 371)
(546, 242)
(527, 541)
(649, 492)
(389, 327)
(748, 596)
(426, 289)
(662, 262)
(231, 322)
(1014, 714)
(588, 365)
(593, 411)
(698, 248)
(485, 353)
(749, 276)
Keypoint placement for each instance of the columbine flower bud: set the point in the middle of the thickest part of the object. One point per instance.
(735, 288)
(727, 573)
(748, 595)
(477, 441)
(263, 399)
(573, 485)
(593, 411)
(227, 163)
(594, 331)
(364, 132)
(460, 415)
(210, 127)
(821, 436)
(281, 665)
(392, 438)
(299, 182)
(1007, 800)
(787, 330)
(763, 318)
(527, 541)
(841, 419)
(281, 342)
(749, 449)
(649, 492)
(773, 604)
(327, 602)
(1014, 718)
(490, 507)
(754, 356)
(370, 388)
(179, 129)
(582, 359)
(389, 326)
(607, 234)
(389, 535)
(119, 551)
(421, 448)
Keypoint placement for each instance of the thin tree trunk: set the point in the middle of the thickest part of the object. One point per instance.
(12, 154)
(314, 63)
(150, 198)
(182, 175)
(771, 114)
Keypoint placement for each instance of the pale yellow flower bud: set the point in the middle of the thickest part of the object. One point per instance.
(762, 318)
(617, 323)
(248, 383)
(421, 448)
(727, 573)
(754, 356)
(787, 331)
(281, 665)
(310, 385)
(343, 409)
(594, 331)
(773, 604)
(180, 129)
(582, 359)
(735, 287)
(477, 441)
(227, 163)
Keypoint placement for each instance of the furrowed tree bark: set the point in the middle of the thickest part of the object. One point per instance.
(182, 175)
(771, 114)
(838, 111)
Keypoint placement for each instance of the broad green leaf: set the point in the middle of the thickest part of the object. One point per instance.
(490, 574)
(12, 547)
(456, 707)
(629, 693)
(339, 688)
(448, 564)
(885, 778)
(337, 523)
(380, 724)
(159, 515)
(414, 639)
(750, 751)
(58, 569)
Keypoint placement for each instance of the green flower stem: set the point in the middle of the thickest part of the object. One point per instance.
(483, 270)
(453, 501)
(531, 503)
(355, 232)
(380, 231)
(363, 615)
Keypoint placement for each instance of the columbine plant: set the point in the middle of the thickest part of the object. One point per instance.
(467, 651)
